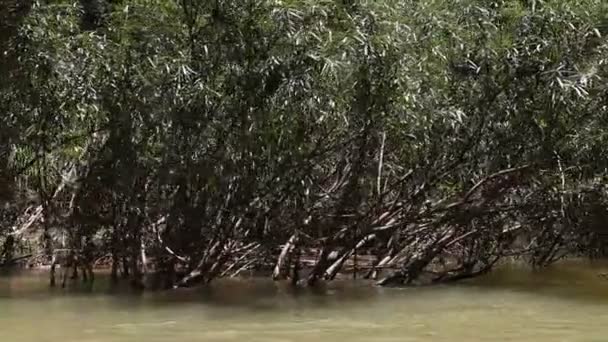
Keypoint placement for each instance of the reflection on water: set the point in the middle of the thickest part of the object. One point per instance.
(567, 302)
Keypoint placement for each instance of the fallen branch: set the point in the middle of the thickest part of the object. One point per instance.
(14, 260)
(278, 273)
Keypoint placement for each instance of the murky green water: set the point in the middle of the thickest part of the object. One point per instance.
(565, 303)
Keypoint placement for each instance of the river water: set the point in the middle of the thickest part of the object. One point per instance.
(567, 302)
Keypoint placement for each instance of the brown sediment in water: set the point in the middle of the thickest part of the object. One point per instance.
(564, 302)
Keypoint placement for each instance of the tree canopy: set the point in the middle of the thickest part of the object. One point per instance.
(204, 138)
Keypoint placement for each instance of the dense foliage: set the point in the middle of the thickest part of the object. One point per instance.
(199, 139)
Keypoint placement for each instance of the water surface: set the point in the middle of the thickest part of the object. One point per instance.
(568, 302)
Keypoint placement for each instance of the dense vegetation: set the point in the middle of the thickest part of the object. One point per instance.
(410, 140)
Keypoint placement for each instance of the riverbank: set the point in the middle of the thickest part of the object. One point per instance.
(582, 268)
(247, 136)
